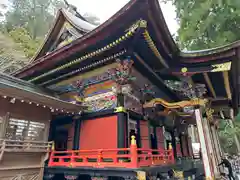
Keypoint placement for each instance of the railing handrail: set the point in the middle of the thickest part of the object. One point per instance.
(132, 157)
(92, 150)
(28, 141)
(6, 144)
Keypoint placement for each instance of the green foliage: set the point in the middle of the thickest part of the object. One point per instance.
(36, 16)
(21, 36)
(28, 21)
(227, 134)
(11, 55)
(207, 23)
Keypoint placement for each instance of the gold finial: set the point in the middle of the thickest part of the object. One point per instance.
(133, 140)
(170, 146)
(53, 146)
(184, 70)
(120, 109)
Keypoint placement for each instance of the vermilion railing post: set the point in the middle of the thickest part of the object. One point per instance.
(150, 158)
(72, 159)
(50, 163)
(133, 152)
(99, 157)
(52, 152)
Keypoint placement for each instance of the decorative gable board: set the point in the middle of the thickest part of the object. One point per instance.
(66, 28)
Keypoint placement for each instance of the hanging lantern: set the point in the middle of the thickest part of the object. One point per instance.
(70, 177)
(48, 176)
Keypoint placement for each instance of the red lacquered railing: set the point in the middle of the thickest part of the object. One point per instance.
(132, 157)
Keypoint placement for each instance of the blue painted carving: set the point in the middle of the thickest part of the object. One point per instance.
(78, 86)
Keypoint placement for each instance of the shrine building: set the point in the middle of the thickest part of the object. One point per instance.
(117, 101)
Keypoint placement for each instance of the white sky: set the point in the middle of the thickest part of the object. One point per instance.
(104, 9)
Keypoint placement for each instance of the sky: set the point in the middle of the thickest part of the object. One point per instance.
(104, 9)
(3, 10)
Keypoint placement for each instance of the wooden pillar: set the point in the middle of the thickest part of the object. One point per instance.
(235, 72)
(160, 137)
(122, 130)
(76, 136)
(122, 122)
(165, 142)
(209, 141)
(4, 125)
(52, 130)
(46, 131)
(217, 146)
(178, 148)
(193, 137)
(187, 144)
(204, 147)
(155, 137)
(174, 145)
(184, 145)
(139, 142)
(190, 150)
(181, 144)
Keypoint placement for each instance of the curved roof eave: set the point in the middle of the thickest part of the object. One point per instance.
(159, 21)
(50, 32)
(210, 55)
(77, 22)
(62, 15)
(92, 33)
(204, 52)
(160, 25)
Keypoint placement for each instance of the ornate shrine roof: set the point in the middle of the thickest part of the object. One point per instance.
(65, 21)
(139, 30)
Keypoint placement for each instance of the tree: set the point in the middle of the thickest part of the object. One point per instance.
(207, 24)
(27, 22)
(22, 37)
(11, 55)
(36, 16)
(229, 133)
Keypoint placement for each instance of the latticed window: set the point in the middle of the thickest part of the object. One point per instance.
(18, 129)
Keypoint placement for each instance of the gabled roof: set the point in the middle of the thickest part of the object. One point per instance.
(146, 15)
(22, 90)
(115, 26)
(63, 16)
(149, 10)
(138, 30)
